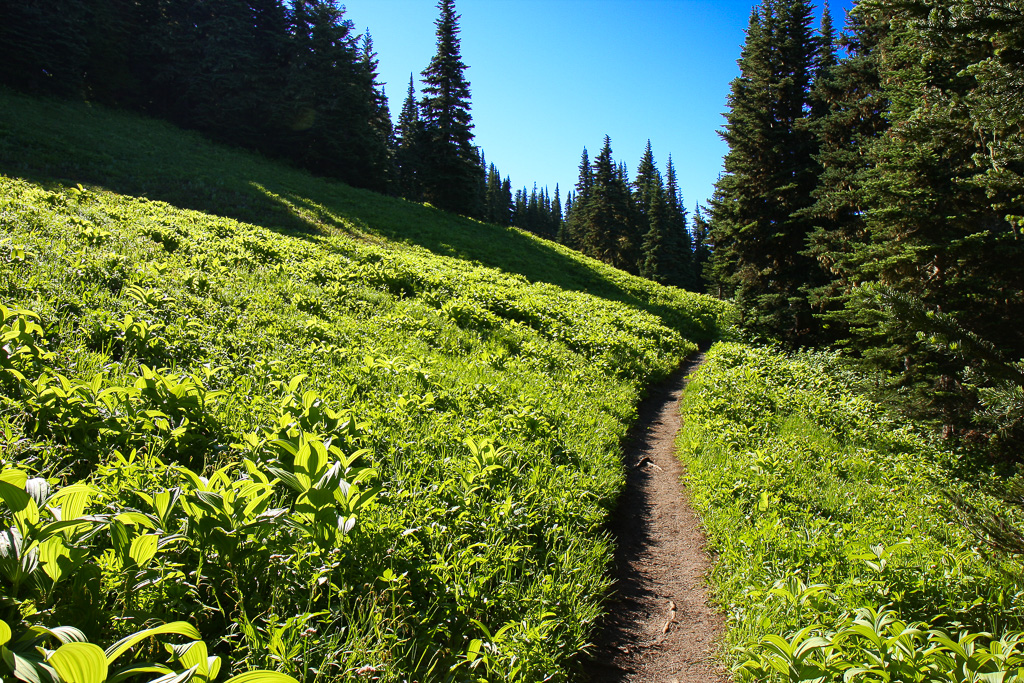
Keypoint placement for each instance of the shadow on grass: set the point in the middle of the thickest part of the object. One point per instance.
(49, 141)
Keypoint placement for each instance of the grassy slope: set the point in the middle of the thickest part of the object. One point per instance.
(820, 504)
(202, 306)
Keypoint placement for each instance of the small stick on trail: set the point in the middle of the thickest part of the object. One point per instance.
(660, 563)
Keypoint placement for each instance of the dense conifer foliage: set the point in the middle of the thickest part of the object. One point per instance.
(894, 170)
(639, 226)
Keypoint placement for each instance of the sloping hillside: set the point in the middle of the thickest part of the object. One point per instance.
(344, 436)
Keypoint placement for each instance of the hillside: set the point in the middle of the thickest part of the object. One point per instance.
(340, 434)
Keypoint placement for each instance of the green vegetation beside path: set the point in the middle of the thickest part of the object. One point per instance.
(839, 554)
(341, 436)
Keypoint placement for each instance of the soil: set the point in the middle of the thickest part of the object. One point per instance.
(661, 627)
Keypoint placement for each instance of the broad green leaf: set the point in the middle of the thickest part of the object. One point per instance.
(212, 667)
(261, 677)
(63, 634)
(5, 632)
(73, 500)
(28, 670)
(130, 671)
(143, 549)
(14, 477)
(176, 628)
(79, 663)
(50, 552)
(194, 655)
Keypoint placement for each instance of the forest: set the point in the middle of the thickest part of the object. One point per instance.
(299, 389)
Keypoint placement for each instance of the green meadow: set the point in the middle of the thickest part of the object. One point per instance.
(839, 552)
(343, 436)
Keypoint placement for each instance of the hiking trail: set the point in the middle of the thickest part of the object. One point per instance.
(660, 627)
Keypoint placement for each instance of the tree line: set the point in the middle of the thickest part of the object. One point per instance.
(292, 80)
(873, 196)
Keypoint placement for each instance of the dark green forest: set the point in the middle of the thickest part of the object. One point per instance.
(872, 201)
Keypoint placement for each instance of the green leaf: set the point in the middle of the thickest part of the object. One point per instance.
(50, 553)
(73, 500)
(79, 663)
(130, 671)
(143, 549)
(29, 670)
(177, 628)
(261, 677)
(5, 633)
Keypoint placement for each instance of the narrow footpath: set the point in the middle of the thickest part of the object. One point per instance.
(661, 627)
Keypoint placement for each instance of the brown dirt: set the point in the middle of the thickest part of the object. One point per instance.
(661, 627)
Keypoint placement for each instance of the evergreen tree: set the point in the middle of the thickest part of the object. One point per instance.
(655, 259)
(851, 107)
(942, 192)
(380, 142)
(759, 224)
(556, 215)
(701, 252)
(572, 233)
(333, 98)
(607, 214)
(450, 168)
(678, 246)
(409, 144)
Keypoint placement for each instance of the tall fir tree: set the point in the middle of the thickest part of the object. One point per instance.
(759, 221)
(572, 232)
(943, 193)
(607, 229)
(409, 147)
(701, 252)
(678, 245)
(451, 169)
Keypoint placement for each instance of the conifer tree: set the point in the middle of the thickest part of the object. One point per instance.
(380, 141)
(655, 259)
(607, 214)
(450, 168)
(678, 246)
(759, 224)
(701, 252)
(943, 190)
(409, 144)
(573, 232)
(556, 215)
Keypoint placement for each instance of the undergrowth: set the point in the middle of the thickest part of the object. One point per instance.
(839, 556)
(336, 456)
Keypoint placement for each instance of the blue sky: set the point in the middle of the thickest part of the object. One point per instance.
(550, 77)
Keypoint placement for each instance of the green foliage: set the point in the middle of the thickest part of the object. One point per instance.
(333, 453)
(839, 550)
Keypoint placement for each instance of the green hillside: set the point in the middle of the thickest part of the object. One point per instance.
(340, 434)
(840, 551)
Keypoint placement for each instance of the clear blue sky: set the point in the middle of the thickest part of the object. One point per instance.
(550, 77)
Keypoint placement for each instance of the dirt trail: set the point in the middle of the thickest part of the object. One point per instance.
(661, 628)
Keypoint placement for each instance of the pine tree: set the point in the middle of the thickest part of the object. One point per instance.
(556, 215)
(942, 192)
(450, 168)
(607, 215)
(678, 246)
(655, 259)
(573, 232)
(380, 141)
(333, 100)
(850, 107)
(759, 224)
(701, 252)
(409, 144)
